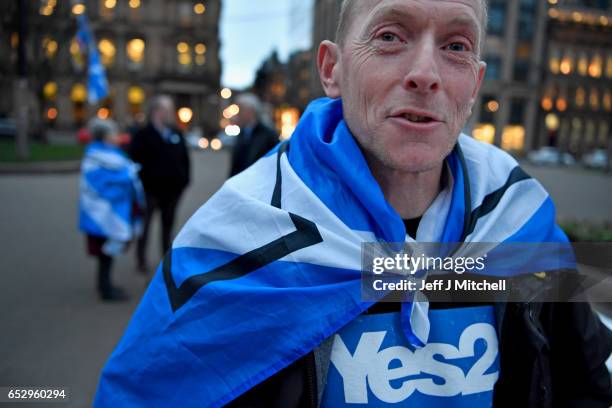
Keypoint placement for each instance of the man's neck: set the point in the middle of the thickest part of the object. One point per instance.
(409, 193)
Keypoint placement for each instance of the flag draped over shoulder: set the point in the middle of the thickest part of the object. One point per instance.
(97, 84)
(270, 266)
(109, 190)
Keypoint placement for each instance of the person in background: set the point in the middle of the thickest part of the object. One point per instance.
(160, 150)
(110, 202)
(255, 138)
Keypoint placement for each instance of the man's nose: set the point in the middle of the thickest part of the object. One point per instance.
(423, 75)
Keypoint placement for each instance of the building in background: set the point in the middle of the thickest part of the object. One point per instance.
(549, 73)
(146, 46)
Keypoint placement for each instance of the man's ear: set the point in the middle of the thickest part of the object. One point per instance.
(482, 69)
(328, 62)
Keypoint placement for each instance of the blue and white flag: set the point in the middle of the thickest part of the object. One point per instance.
(270, 266)
(109, 192)
(97, 84)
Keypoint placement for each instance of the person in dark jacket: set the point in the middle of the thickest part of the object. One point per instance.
(255, 138)
(161, 151)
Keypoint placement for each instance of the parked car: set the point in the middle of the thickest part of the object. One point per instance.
(550, 156)
(597, 159)
(8, 128)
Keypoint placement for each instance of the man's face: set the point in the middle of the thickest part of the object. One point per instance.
(408, 75)
(166, 112)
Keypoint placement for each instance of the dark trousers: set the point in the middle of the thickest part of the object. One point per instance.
(105, 263)
(167, 206)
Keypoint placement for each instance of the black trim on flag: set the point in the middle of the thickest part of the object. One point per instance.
(305, 235)
(492, 199)
(467, 194)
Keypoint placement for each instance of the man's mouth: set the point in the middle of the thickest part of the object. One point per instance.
(417, 118)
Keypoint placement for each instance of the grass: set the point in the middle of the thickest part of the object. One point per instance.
(40, 152)
(582, 231)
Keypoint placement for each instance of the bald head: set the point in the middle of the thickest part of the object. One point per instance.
(350, 8)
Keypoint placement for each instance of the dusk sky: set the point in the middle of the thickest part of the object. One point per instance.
(251, 30)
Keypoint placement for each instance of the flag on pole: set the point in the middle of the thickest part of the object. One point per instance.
(97, 84)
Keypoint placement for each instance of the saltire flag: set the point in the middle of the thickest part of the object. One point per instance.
(97, 84)
(270, 266)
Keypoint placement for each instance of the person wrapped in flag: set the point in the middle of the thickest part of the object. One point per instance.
(111, 202)
(258, 303)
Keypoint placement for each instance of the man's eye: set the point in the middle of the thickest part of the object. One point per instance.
(388, 37)
(456, 46)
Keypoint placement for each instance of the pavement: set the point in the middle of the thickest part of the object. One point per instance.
(53, 329)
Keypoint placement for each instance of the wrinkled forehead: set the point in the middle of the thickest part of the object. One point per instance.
(364, 12)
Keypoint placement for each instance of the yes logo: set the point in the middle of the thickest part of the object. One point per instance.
(393, 374)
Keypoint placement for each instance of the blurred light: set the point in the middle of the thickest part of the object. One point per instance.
(561, 104)
(552, 1)
(50, 47)
(552, 121)
(577, 16)
(199, 8)
(52, 113)
(203, 143)
(595, 68)
(492, 106)
(513, 138)
(107, 51)
(289, 119)
(224, 123)
(50, 90)
(134, 3)
(136, 95)
(46, 11)
(566, 66)
(547, 103)
(103, 113)
(580, 97)
(184, 59)
(231, 111)
(200, 48)
(553, 13)
(185, 114)
(14, 40)
(200, 60)
(78, 93)
(603, 20)
(78, 9)
(232, 130)
(226, 93)
(182, 47)
(485, 132)
(594, 99)
(110, 3)
(135, 49)
(216, 144)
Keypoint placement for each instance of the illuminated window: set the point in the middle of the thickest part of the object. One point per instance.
(485, 132)
(47, 7)
(583, 64)
(134, 4)
(513, 138)
(78, 93)
(49, 46)
(609, 66)
(554, 61)
(50, 90)
(183, 56)
(580, 97)
(199, 8)
(607, 101)
(135, 50)
(594, 99)
(77, 55)
(552, 122)
(78, 9)
(200, 50)
(567, 64)
(596, 66)
(107, 8)
(107, 51)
